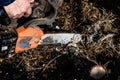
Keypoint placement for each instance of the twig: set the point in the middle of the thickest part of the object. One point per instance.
(50, 62)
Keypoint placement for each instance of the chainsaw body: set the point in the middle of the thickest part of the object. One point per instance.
(28, 38)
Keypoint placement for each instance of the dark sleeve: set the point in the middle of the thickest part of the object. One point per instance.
(5, 2)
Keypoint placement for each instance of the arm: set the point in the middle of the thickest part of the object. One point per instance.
(5, 2)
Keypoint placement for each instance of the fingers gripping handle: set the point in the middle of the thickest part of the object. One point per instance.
(4, 18)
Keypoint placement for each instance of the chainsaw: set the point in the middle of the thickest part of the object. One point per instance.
(30, 35)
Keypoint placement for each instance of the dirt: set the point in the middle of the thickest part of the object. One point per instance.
(98, 21)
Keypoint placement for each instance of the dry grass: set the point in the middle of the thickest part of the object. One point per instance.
(91, 21)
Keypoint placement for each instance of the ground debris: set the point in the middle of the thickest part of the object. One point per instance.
(100, 46)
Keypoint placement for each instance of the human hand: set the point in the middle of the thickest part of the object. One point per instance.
(19, 8)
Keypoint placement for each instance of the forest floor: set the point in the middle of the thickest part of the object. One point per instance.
(98, 21)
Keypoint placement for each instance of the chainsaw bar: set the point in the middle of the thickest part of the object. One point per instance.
(60, 38)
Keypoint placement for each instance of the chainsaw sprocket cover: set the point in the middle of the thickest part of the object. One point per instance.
(28, 38)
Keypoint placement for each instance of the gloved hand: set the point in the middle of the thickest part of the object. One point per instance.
(19, 8)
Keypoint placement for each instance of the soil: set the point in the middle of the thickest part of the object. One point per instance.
(98, 21)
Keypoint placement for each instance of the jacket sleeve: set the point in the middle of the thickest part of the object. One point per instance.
(5, 2)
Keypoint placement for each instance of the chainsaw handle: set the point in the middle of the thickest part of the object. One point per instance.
(4, 19)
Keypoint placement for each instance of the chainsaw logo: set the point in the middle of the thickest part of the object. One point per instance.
(24, 43)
